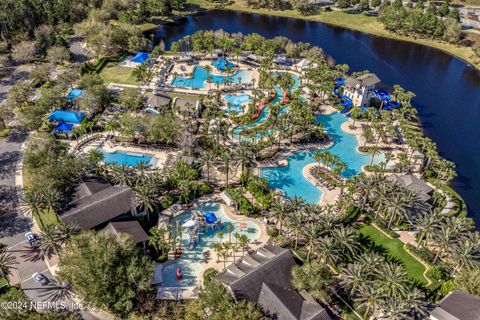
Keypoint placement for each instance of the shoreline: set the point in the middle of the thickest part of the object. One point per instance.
(328, 18)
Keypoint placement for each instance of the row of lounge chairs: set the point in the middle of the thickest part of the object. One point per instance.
(324, 182)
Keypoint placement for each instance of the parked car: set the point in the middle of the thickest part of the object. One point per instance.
(40, 279)
(31, 239)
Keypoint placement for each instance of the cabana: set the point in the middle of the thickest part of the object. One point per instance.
(139, 59)
(66, 116)
(222, 63)
(75, 93)
(64, 127)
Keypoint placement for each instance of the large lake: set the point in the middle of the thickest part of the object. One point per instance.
(447, 89)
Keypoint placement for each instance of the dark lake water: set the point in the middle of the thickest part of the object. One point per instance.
(447, 89)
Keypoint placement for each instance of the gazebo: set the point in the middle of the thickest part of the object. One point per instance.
(223, 63)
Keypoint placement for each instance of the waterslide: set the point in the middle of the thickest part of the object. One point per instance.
(345, 101)
(385, 97)
(263, 110)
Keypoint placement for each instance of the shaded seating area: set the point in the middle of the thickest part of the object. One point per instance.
(222, 63)
(66, 116)
(140, 58)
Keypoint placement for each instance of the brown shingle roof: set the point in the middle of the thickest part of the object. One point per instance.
(131, 228)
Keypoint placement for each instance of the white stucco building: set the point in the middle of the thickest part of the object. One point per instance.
(359, 89)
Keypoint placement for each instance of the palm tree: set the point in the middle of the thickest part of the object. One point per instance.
(94, 158)
(310, 234)
(444, 239)
(227, 161)
(347, 239)
(141, 168)
(206, 162)
(279, 211)
(145, 198)
(394, 308)
(50, 241)
(353, 277)
(426, 224)
(466, 253)
(7, 263)
(369, 298)
(392, 280)
(122, 174)
(51, 199)
(67, 230)
(244, 155)
(327, 250)
(35, 202)
(374, 151)
(295, 223)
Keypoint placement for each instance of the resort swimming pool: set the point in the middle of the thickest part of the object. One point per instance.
(236, 101)
(190, 260)
(128, 158)
(290, 178)
(200, 75)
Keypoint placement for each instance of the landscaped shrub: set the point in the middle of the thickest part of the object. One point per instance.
(162, 259)
(350, 214)
(436, 273)
(167, 201)
(243, 205)
(208, 275)
(204, 188)
(272, 231)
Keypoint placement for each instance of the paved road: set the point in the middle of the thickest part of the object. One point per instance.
(14, 75)
(14, 223)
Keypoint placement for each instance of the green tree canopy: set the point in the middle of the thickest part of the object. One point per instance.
(106, 271)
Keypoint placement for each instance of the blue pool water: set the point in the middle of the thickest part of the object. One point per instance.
(235, 102)
(128, 158)
(290, 178)
(200, 76)
(190, 260)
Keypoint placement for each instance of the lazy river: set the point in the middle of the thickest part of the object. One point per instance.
(447, 89)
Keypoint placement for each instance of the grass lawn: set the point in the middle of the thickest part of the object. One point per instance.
(48, 218)
(357, 22)
(5, 132)
(116, 74)
(394, 248)
(3, 282)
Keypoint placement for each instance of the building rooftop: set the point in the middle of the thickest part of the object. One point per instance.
(457, 306)
(95, 202)
(411, 182)
(365, 80)
(158, 100)
(131, 228)
(265, 278)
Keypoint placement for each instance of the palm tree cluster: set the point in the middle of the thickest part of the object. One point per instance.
(317, 229)
(386, 200)
(454, 239)
(330, 160)
(381, 288)
(226, 249)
